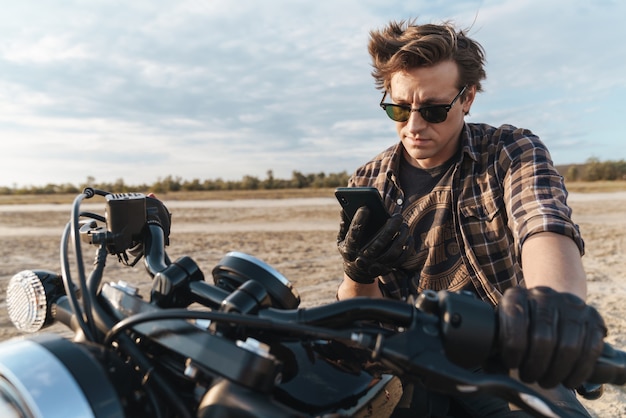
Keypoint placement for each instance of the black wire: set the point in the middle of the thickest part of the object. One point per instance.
(69, 287)
(80, 265)
(83, 316)
(155, 383)
(92, 215)
(238, 319)
(257, 323)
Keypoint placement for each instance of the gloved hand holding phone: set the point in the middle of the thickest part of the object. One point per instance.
(366, 258)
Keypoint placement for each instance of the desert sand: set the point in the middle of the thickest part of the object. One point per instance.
(297, 238)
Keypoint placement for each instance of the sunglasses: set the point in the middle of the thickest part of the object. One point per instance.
(431, 113)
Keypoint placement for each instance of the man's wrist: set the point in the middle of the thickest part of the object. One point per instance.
(350, 289)
(353, 274)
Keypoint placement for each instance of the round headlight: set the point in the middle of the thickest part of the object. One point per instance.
(47, 375)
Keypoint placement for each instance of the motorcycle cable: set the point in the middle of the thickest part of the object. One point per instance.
(94, 216)
(153, 381)
(346, 337)
(69, 287)
(155, 385)
(84, 316)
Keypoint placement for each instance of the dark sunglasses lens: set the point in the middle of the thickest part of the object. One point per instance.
(434, 114)
(397, 113)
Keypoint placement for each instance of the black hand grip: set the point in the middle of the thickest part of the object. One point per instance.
(154, 249)
(610, 367)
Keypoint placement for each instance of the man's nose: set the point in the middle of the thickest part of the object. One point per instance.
(416, 122)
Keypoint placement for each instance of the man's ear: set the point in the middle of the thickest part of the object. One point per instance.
(470, 94)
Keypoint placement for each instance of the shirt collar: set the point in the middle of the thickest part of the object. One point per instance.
(467, 144)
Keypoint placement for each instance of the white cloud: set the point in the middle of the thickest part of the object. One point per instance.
(44, 50)
(225, 89)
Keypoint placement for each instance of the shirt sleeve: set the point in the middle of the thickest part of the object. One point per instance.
(534, 191)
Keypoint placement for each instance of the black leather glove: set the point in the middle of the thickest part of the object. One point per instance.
(388, 249)
(550, 337)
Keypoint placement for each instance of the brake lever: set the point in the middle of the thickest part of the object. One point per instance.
(418, 355)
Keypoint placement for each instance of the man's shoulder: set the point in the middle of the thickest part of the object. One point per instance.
(484, 129)
(481, 132)
(482, 137)
(487, 145)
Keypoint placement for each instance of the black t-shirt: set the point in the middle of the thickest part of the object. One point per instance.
(437, 262)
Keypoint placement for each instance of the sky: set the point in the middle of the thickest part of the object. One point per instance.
(220, 89)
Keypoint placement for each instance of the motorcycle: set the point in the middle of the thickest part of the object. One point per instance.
(237, 347)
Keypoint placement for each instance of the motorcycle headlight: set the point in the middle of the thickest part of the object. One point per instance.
(11, 404)
(51, 376)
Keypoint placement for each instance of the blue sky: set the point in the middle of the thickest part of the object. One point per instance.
(222, 89)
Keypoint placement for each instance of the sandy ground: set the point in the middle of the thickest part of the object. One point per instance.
(297, 238)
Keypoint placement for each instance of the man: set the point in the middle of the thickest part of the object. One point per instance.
(485, 210)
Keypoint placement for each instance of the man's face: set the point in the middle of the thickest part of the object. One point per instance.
(427, 144)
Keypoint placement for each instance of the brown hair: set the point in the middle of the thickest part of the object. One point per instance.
(404, 45)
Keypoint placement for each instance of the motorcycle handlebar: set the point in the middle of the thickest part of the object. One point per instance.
(466, 326)
(408, 340)
(156, 259)
(610, 367)
(345, 313)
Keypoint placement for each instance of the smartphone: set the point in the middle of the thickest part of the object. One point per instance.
(352, 198)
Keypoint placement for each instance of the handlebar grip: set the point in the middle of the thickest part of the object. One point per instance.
(154, 250)
(610, 367)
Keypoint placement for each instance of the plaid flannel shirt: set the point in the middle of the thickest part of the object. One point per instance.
(505, 188)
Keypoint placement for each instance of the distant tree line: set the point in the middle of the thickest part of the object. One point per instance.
(595, 170)
(298, 180)
(592, 170)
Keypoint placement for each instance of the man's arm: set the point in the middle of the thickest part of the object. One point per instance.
(350, 289)
(548, 332)
(553, 260)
